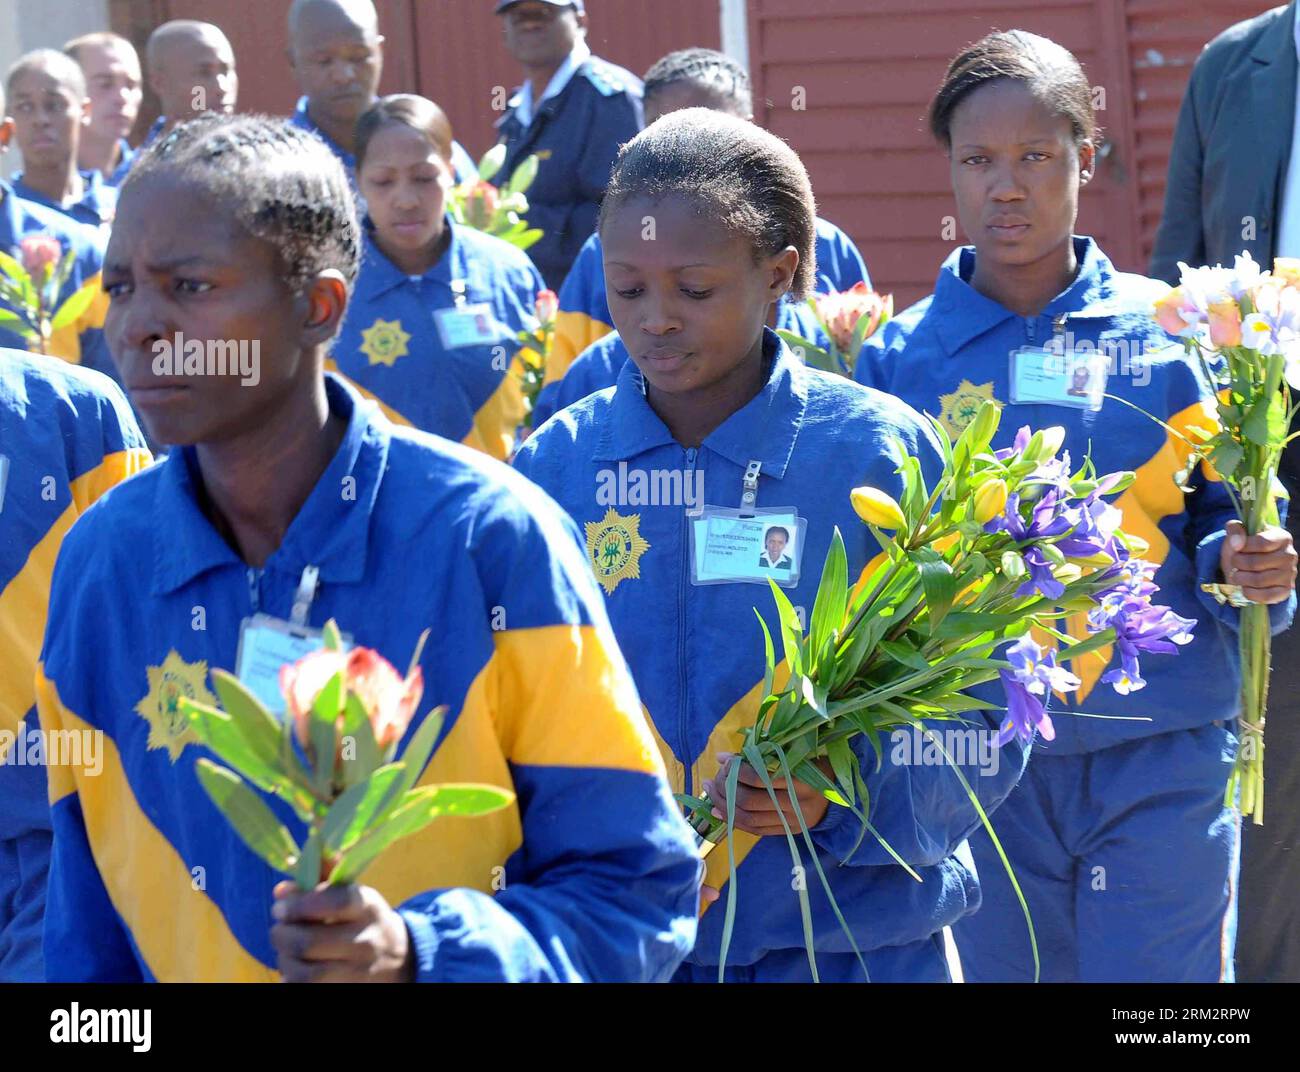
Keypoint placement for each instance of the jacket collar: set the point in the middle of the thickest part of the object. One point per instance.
(379, 275)
(962, 313)
(331, 531)
(763, 430)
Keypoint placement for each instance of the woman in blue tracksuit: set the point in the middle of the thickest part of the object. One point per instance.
(710, 406)
(432, 329)
(1118, 833)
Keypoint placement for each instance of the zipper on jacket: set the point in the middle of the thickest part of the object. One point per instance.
(1031, 329)
(254, 597)
(683, 708)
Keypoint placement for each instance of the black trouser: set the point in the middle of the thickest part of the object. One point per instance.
(1268, 928)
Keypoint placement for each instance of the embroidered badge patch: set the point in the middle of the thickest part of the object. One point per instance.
(959, 408)
(161, 705)
(384, 342)
(615, 547)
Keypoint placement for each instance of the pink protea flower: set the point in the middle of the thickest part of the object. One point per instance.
(481, 204)
(840, 313)
(39, 254)
(389, 700)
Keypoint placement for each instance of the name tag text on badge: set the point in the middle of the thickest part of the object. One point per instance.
(468, 325)
(1058, 378)
(265, 645)
(730, 549)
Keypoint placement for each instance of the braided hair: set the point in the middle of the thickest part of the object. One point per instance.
(703, 67)
(750, 181)
(282, 183)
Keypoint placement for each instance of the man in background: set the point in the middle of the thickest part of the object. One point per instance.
(1234, 186)
(114, 86)
(574, 111)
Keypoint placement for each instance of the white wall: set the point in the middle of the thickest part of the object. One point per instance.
(29, 24)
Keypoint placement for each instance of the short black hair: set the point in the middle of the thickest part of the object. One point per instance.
(777, 528)
(418, 113)
(738, 173)
(1048, 70)
(59, 64)
(707, 69)
(283, 184)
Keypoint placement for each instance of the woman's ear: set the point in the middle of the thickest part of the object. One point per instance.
(326, 300)
(783, 267)
(1087, 160)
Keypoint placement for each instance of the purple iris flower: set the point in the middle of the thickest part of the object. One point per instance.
(1018, 444)
(1032, 673)
(1047, 519)
(1140, 626)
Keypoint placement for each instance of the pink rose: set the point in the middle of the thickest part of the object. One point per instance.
(40, 253)
(547, 307)
(1225, 323)
(1169, 312)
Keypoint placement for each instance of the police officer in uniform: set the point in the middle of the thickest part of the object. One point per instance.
(574, 110)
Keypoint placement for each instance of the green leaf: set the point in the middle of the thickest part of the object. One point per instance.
(17, 324)
(1091, 644)
(523, 175)
(491, 162)
(1255, 427)
(418, 751)
(791, 631)
(832, 597)
(419, 808)
(253, 821)
(364, 758)
(842, 762)
(306, 873)
(331, 637)
(360, 806)
(769, 657)
(904, 654)
(218, 733)
(253, 721)
(938, 582)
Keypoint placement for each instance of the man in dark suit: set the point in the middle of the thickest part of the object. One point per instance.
(574, 110)
(1234, 185)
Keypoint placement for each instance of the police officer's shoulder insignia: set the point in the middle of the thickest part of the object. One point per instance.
(384, 342)
(615, 546)
(958, 409)
(168, 684)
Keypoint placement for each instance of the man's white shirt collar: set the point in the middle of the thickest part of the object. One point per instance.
(522, 101)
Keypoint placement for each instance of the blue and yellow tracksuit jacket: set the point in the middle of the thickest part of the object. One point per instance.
(391, 349)
(81, 342)
(576, 135)
(598, 366)
(123, 164)
(461, 162)
(584, 315)
(696, 652)
(66, 437)
(948, 352)
(96, 208)
(590, 874)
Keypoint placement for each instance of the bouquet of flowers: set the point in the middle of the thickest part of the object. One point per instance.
(535, 350)
(478, 204)
(1243, 326)
(332, 758)
(30, 284)
(847, 318)
(1006, 541)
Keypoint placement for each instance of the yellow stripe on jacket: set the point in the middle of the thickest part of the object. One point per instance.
(25, 599)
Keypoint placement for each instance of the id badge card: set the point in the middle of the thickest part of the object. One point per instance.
(267, 643)
(728, 548)
(1058, 378)
(467, 325)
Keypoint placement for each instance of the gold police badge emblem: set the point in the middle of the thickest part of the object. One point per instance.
(615, 546)
(384, 342)
(160, 707)
(958, 409)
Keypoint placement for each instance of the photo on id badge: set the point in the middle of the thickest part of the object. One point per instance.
(730, 547)
(1058, 378)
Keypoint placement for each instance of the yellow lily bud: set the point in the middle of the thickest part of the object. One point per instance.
(877, 508)
(990, 500)
(1138, 546)
(1052, 439)
(1067, 574)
